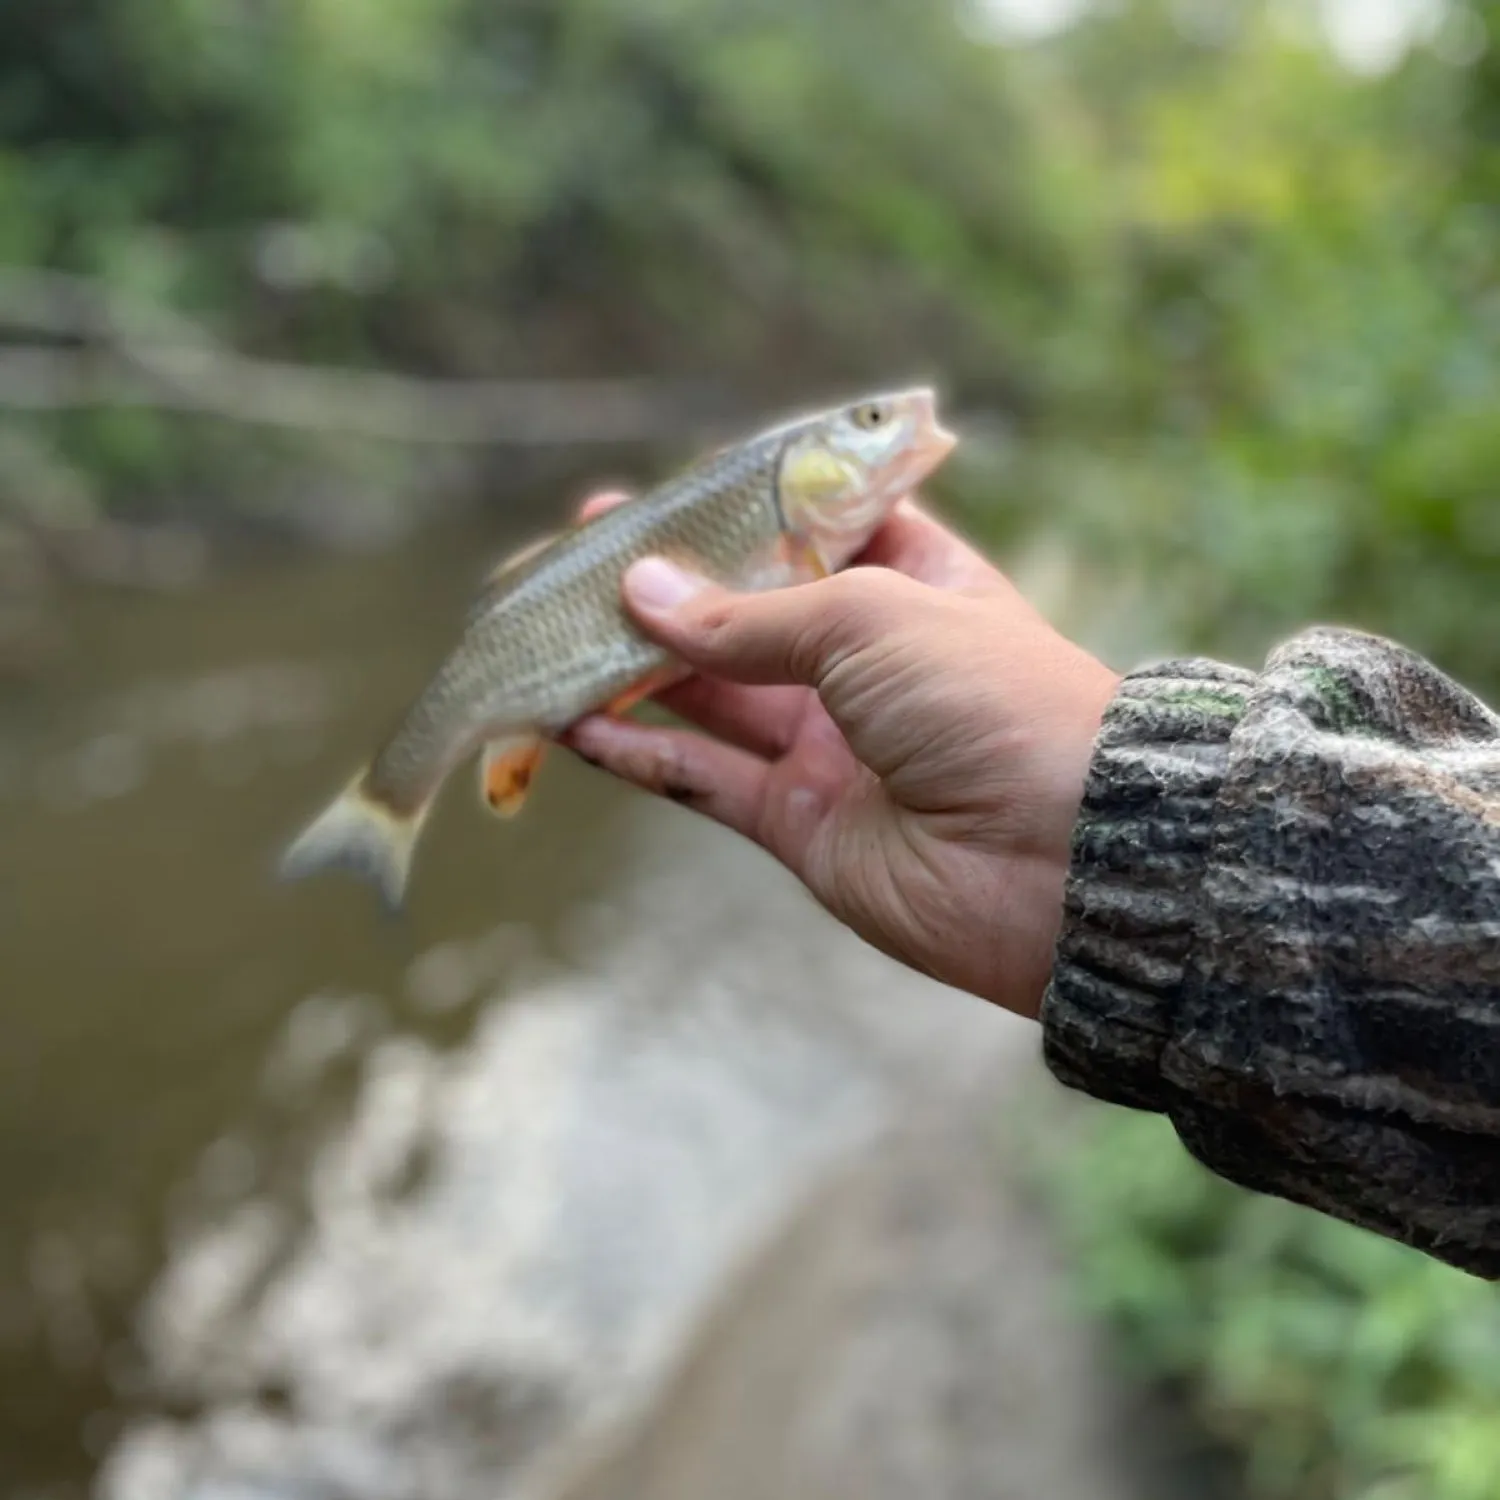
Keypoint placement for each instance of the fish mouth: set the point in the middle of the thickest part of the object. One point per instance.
(931, 443)
(938, 443)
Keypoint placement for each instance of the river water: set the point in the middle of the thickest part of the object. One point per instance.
(162, 997)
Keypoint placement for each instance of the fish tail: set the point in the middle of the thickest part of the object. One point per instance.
(360, 833)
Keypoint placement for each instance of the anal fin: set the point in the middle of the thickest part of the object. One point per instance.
(507, 770)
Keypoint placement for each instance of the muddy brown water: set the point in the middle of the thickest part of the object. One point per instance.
(150, 964)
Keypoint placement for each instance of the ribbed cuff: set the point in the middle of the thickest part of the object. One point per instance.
(1133, 908)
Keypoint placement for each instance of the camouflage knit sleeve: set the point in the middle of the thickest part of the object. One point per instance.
(1283, 932)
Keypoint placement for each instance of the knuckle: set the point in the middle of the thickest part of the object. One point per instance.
(671, 771)
(812, 644)
(716, 628)
(864, 605)
(815, 628)
(871, 593)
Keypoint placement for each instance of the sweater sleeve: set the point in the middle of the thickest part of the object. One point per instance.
(1282, 931)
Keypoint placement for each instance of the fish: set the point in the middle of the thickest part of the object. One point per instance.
(547, 640)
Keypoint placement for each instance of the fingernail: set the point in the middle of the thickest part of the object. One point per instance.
(655, 584)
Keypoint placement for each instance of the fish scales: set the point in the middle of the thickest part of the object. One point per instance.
(549, 641)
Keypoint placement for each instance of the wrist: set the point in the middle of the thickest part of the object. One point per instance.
(1138, 851)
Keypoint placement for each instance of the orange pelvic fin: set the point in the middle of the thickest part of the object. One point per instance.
(507, 770)
(652, 682)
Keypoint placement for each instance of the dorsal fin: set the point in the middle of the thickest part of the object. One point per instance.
(498, 575)
(514, 561)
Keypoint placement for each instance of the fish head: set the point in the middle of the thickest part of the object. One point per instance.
(843, 471)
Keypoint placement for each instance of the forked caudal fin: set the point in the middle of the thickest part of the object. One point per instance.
(359, 834)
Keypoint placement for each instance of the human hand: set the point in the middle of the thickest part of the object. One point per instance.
(909, 737)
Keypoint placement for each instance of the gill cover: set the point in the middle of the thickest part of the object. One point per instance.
(812, 477)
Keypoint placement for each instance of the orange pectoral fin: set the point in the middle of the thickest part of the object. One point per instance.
(652, 682)
(507, 771)
(803, 560)
(812, 562)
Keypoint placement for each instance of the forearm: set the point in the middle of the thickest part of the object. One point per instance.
(1283, 931)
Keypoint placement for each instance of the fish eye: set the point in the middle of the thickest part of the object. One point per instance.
(871, 415)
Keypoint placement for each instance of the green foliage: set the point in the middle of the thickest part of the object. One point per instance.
(1282, 406)
(775, 195)
(1345, 1367)
(1283, 409)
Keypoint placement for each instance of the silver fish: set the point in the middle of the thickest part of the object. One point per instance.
(548, 640)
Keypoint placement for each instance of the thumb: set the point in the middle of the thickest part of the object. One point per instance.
(795, 634)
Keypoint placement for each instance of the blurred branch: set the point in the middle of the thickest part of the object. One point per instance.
(130, 357)
(372, 405)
